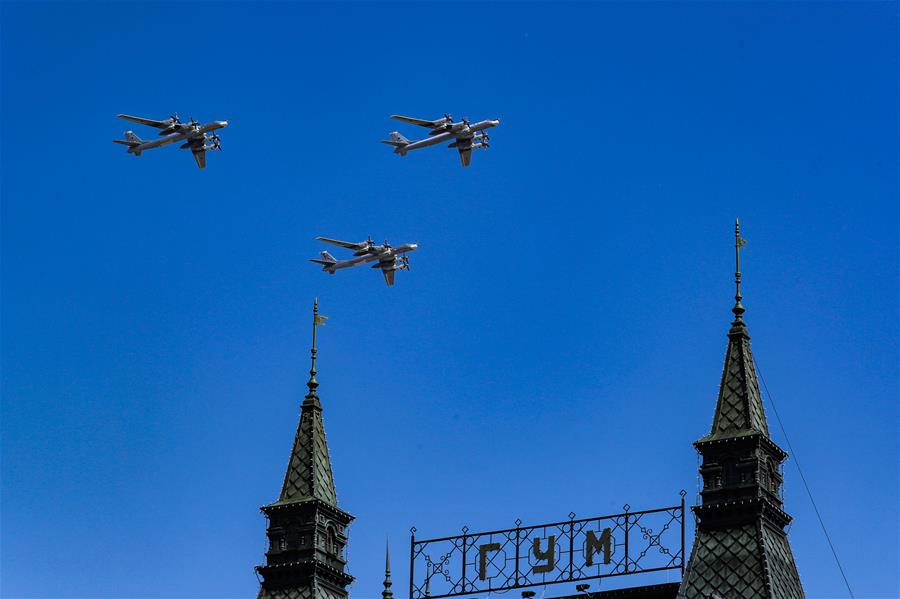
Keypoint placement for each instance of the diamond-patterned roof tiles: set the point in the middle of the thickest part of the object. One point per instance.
(739, 408)
(306, 592)
(727, 562)
(782, 574)
(748, 562)
(309, 474)
(289, 593)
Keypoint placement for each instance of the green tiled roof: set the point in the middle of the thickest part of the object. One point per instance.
(307, 592)
(739, 408)
(309, 473)
(725, 562)
(748, 562)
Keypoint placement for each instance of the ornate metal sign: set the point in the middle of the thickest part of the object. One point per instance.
(527, 556)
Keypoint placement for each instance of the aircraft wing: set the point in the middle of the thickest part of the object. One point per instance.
(389, 276)
(344, 244)
(143, 121)
(200, 157)
(465, 151)
(419, 122)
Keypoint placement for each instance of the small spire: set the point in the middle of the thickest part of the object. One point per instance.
(387, 593)
(739, 242)
(313, 384)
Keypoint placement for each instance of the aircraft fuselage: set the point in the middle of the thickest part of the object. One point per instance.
(451, 135)
(383, 256)
(191, 133)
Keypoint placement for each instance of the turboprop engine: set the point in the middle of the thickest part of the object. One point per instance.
(172, 127)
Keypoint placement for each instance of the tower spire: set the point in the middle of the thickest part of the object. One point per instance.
(387, 593)
(740, 548)
(307, 531)
(309, 473)
(739, 408)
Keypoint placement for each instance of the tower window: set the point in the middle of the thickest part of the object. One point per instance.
(332, 548)
(730, 472)
(773, 478)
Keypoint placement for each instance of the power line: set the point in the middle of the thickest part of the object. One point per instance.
(803, 478)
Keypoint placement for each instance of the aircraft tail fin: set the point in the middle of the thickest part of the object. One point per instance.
(327, 261)
(398, 141)
(132, 141)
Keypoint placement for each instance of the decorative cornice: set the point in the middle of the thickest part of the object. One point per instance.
(316, 566)
(332, 510)
(755, 436)
(761, 506)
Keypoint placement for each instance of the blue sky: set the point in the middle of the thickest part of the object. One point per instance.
(558, 343)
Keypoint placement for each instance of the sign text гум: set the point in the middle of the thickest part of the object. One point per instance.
(548, 556)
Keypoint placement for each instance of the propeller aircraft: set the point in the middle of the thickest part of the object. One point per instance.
(463, 135)
(389, 259)
(173, 130)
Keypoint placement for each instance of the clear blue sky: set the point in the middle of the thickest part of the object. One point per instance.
(558, 343)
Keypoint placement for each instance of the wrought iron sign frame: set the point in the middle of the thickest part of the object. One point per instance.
(558, 552)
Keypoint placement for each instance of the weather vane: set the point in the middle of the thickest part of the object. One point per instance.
(739, 242)
(318, 320)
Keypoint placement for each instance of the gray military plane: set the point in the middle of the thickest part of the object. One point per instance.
(193, 133)
(390, 259)
(464, 135)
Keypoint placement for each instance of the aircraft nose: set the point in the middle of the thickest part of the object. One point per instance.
(223, 123)
(414, 246)
(495, 122)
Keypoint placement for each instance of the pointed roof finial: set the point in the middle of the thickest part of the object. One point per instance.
(739, 242)
(387, 593)
(318, 320)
